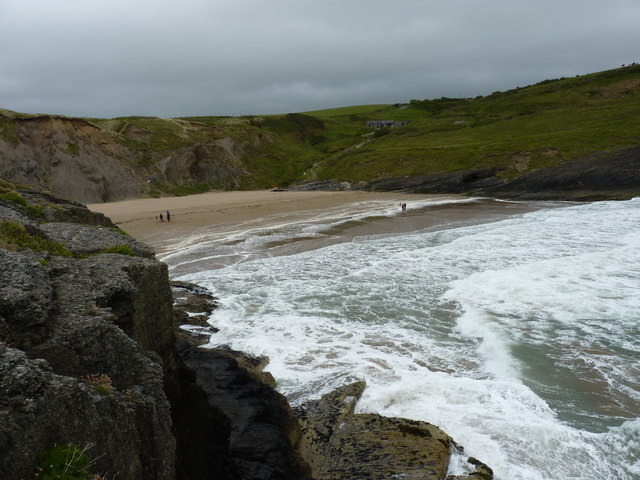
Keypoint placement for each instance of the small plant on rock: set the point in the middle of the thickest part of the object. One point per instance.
(14, 197)
(129, 395)
(36, 210)
(100, 382)
(93, 309)
(14, 236)
(64, 462)
(121, 250)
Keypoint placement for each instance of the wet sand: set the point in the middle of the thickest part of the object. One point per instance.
(193, 215)
(196, 218)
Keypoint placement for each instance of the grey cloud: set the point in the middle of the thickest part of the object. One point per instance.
(165, 58)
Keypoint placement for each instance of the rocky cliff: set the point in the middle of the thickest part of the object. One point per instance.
(92, 355)
(91, 163)
(77, 334)
(88, 357)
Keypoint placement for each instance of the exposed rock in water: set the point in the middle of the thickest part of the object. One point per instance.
(340, 444)
(263, 429)
(192, 306)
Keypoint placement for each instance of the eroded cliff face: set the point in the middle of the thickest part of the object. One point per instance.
(80, 160)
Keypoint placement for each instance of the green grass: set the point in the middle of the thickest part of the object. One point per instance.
(72, 148)
(64, 462)
(346, 111)
(154, 134)
(35, 210)
(547, 124)
(8, 129)
(14, 236)
(7, 192)
(121, 250)
(14, 197)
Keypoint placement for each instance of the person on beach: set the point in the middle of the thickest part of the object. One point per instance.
(168, 216)
(403, 206)
(161, 218)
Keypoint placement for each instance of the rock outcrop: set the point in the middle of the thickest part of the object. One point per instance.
(340, 444)
(601, 176)
(263, 431)
(82, 338)
(88, 357)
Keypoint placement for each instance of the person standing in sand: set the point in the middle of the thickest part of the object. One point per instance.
(161, 218)
(168, 216)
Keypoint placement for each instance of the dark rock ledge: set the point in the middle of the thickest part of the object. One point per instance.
(611, 175)
(340, 444)
(166, 408)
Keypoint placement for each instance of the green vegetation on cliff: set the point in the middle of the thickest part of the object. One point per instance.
(14, 236)
(65, 462)
(520, 130)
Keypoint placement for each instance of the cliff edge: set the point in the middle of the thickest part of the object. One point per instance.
(88, 358)
(80, 341)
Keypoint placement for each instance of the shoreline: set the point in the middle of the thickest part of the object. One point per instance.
(204, 227)
(194, 215)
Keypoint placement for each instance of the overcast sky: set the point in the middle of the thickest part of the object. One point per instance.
(168, 58)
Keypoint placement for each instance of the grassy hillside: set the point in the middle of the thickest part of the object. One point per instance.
(527, 128)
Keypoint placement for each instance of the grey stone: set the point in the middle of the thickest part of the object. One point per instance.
(87, 239)
(339, 444)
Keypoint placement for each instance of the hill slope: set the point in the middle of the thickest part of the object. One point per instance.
(593, 119)
(566, 138)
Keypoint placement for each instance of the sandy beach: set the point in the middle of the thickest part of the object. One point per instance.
(191, 214)
(195, 216)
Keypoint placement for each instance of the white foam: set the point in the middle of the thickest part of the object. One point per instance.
(289, 226)
(434, 322)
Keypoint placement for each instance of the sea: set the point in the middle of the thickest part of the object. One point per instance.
(513, 326)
